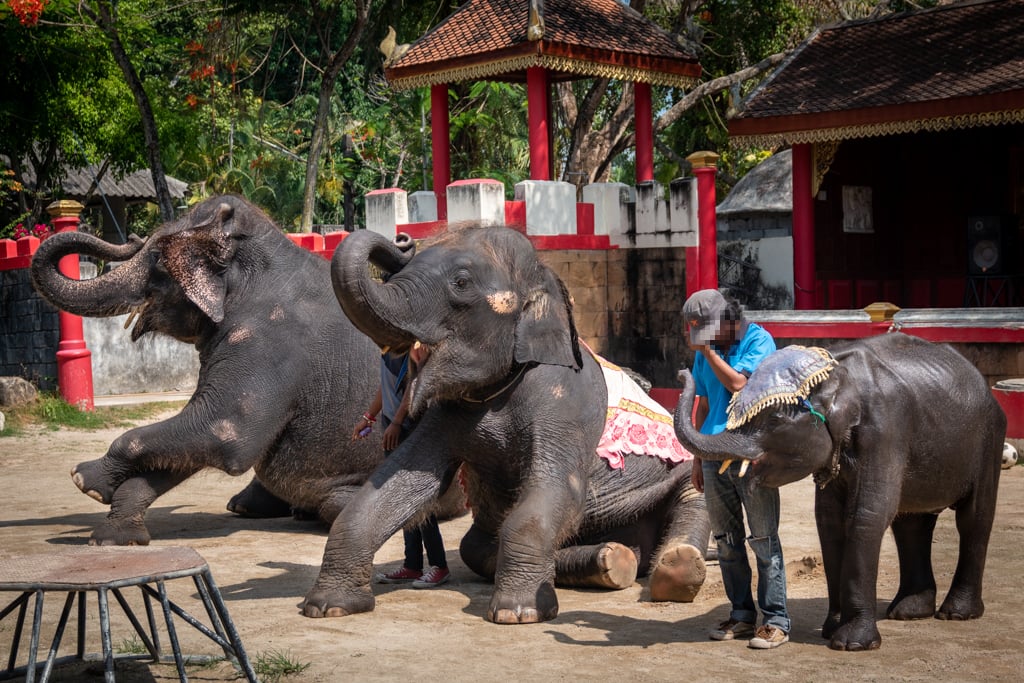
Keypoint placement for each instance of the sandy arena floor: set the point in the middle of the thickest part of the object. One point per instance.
(264, 567)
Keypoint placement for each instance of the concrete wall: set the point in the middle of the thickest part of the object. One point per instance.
(154, 363)
(627, 307)
(759, 272)
(30, 337)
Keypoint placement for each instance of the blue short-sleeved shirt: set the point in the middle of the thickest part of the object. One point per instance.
(743, 357)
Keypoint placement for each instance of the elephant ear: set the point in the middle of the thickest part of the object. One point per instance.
(546, 332)
(196, 258)
(840, 402)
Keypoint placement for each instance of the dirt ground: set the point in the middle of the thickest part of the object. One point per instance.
(264, 567)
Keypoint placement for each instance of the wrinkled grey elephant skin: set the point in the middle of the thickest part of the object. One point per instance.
(283, 373)
(507, 392)
(910, 428)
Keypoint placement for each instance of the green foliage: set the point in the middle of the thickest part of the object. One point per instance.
(489, 129)
(273, 665)
(734, 34)
(234, 88)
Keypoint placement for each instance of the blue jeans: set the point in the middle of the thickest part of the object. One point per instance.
(727, 496)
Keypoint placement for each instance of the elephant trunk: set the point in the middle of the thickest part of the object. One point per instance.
(114, 293)
(716, 447)
(372, 305)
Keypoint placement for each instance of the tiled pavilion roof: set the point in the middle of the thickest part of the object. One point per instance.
(500, 39)
(955, 66)
(134, 186)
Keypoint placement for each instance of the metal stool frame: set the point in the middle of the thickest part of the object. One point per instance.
(186, 563)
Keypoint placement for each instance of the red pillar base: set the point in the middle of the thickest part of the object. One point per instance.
(74, 374)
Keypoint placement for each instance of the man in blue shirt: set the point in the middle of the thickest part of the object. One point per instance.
(729, 348)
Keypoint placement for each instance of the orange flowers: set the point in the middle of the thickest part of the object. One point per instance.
(27, 11)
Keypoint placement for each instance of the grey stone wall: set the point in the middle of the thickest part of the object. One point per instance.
(29, 331)
(627, 305)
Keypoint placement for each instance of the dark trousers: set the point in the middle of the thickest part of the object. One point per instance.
(425, 536)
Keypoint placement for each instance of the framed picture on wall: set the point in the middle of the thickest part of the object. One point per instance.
(857, 209)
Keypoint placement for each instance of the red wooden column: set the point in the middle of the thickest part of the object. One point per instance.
(705, 168)
(803, 229)
(644, 125)
(440, 141)
(74, 360)
(537, 115)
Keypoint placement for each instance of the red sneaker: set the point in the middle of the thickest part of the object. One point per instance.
(402, 575)
(434, 576)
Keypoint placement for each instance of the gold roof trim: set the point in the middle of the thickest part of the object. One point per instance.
(476, 72)
(770, 140)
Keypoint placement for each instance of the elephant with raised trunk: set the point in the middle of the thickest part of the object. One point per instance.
(894, 429)
(283, 373)
(508, 391)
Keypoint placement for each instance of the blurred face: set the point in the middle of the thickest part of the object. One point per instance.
(725, 335)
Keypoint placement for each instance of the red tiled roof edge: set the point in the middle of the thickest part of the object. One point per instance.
(492, 41)
(850, 81)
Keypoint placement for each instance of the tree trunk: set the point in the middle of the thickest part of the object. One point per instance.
(323, 110)
(101, 16)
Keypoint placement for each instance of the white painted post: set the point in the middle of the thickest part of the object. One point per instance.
(386, 210)
(550, 206)
(479, 200)
(682, 195)
(422, 206)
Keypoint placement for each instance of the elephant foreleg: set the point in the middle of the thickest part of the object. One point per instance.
(190, 440)
(678, 570)
(394, 494)
(829, 514)
(865, 529)
(605, 565)
(915, 598)
(125, 523)
(524, 579)
(335, 502)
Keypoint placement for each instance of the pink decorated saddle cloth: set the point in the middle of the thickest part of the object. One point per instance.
(635, 424)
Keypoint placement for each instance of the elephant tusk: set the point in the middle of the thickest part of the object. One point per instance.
(725, 466)
(743, 468)
(132, 314)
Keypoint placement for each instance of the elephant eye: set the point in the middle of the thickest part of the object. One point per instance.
(460, 281)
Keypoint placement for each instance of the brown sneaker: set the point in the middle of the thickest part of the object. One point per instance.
(768, 637)
(730, 629)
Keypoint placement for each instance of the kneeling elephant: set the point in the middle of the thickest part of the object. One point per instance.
(508, 391)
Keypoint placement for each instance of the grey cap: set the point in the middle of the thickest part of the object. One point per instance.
(703, 313)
